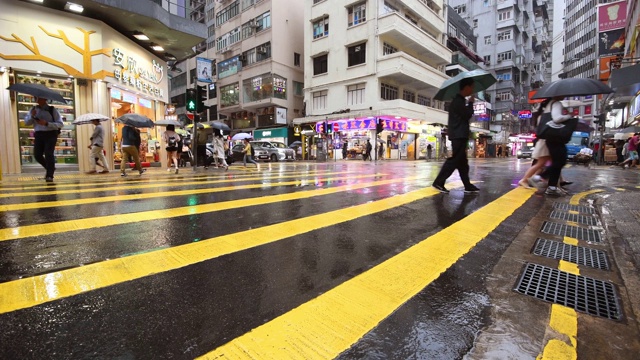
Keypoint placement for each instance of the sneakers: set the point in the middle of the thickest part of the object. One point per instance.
(176, 170)
(565, 183)
(142, 171)
(91, 172)
(169, 169)
(48, 179)
(554, 192)
(104, 172)
(471, 189)
(123, 174)
(440, 188)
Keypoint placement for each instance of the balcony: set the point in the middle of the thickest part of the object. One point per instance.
(411, 110)
(410, 72)
(401, 31)
(463, 61)
(431, 16)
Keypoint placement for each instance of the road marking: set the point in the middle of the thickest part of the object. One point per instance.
(568, 267)
(165, 194)
(570, 241)
(20, 232)
(326, 326)
(124, 186)
(575, 199)
(36, 290)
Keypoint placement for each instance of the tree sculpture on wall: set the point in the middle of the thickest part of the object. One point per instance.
(85, 51)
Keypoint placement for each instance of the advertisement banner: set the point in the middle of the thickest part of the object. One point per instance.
(611, 42)
(229, 67)
(203, 69)
(612, 16)
(607, 64)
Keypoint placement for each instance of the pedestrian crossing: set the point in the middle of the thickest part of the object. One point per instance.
(318, 206)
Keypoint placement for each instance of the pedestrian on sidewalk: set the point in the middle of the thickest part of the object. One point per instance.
(632, 151)
(130, 148)
(46, 123)
(97, 158)
(429, 152)
(344, 150)
(218, 147)
(171, 140)
(368, 150)
(248, 154)
(459, 114)
(381, 151)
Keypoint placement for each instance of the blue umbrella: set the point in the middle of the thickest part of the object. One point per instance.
(135, 120)
(449, 89)
(241, 136)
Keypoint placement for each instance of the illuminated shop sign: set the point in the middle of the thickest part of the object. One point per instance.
(363, 124)
(145, 77)
(524, 114)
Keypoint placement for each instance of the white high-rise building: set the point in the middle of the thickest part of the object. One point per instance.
(375, 59)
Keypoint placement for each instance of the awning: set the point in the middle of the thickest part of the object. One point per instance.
(626, 81)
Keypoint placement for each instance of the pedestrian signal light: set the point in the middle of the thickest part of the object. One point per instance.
(329, 128)
(201, 97)
(190, 100)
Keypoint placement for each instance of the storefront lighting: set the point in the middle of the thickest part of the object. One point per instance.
(170, 57)
(74, 7)
(157, 47)
(140, 36)
(3, 69)
(398, 117)
(38, 1)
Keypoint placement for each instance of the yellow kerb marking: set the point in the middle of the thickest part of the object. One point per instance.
(569, 267)
(574, 212)
(570, 241)
(575, 199)
(36, 290)
(564, 320)
(573, 223)
(329, 324)
(558, 350)
(119, 219)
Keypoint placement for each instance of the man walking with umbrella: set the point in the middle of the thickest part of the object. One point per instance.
(47, 124)
(459, 114)
(97, 146)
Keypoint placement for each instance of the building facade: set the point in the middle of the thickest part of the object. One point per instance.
(370, 61)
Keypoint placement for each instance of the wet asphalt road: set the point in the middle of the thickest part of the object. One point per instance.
(206, 301)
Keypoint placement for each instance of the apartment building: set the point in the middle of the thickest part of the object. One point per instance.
(517, 49)
(375, 60)
(258, 53)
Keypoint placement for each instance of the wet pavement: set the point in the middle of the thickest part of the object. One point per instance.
(362, 260)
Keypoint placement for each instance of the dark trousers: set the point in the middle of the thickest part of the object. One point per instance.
(558, 153)
(458, 160)
(43, 148)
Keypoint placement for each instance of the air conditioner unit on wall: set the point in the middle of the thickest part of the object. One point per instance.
(261, 49)
(252, 23)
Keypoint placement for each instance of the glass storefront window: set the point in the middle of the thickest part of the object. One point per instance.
(66, 150)
(264, 87)
(230, 95)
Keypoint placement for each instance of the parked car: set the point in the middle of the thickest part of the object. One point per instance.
(525, 152)
(272, 151)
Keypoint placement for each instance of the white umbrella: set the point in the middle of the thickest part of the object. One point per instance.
(88, 118)
(241, 136)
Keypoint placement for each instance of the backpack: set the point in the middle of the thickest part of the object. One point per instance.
(172, 141)
(51, 108)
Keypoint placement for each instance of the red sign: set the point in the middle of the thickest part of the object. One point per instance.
(612, 16)
(336, 127)
(190, 116)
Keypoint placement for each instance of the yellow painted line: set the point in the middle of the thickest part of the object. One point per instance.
(564, 322)
(32, 291)
(575, 199)
(119, 219)
(572, 223)
(329, 324)
(570, 241)
(164, 194)
(620, 189)
(569, 267)
(574, 212)
(125, 186)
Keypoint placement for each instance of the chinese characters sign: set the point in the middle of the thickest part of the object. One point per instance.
(363, 124)
(129, 73)
(612, 16)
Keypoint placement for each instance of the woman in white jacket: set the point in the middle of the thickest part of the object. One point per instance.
(218, 146)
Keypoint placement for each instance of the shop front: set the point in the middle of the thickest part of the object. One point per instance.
(95, 68)
(280, 134)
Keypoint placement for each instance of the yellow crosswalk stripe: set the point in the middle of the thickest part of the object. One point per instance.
(120, 219)
(32, 291)
(125, 186)
(329, 324)
(165, 194)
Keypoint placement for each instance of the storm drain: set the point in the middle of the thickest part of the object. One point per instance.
(580, 219)
(584, 294)
(575, 232)
(567, 207)
(575, 254)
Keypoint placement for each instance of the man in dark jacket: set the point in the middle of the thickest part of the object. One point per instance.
(458, 132)
(130, 147)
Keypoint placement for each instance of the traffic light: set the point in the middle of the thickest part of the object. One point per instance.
(379, 126)
(201, 97)
(329, 128)
(191, 100)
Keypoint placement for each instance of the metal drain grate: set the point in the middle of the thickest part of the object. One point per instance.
(580, 219)
(567, 207)
(584, 294)
(571, 253)
(575, 232)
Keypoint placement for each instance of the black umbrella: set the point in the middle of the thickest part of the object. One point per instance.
(584, 127)
(572, 87)
(38, 90)
(218, 125)
(481, 81)
(136, 120)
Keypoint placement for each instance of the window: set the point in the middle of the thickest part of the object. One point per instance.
(296, 59)
(320, 100)
(423, 100)
(355, 94)
(229, 95)
(388, 49)
(212, 94)
(460, 9)
(504, 76)
(507, 55)
(475, 23)
(487, 59)
(263, 21)
(504, 15)
(227, 13)
(504, 96)
(388, 8)
(263, 52)
(357, 54)
(357, 14)
(321, 28)
(320, 64)
(504, 35)
(298, 88)
(408, 96)
(247, 29)
(388, 92)
(453, 31)
(316, 1)
(245, 4)
(487, 40)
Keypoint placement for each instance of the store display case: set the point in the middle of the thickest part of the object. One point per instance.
(66, 149)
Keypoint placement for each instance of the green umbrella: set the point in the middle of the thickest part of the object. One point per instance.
(482, 80)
